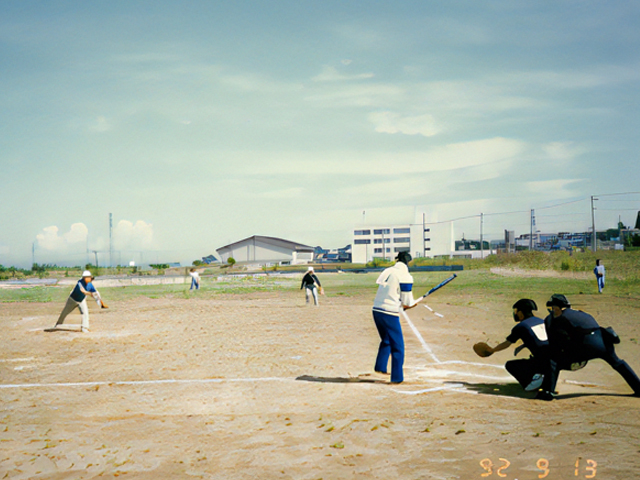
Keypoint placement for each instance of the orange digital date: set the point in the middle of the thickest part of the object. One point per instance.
(583, 469)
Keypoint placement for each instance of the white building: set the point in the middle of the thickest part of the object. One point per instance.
(263, 250)
(387, 241)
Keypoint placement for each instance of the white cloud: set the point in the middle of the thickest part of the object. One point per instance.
(100, 125)
(130, 236)
(562, 151)
(331, 74)
(284, 193)
(389, 122)
(356, 95)
(558, 188)
(437, 159)
(75, 238)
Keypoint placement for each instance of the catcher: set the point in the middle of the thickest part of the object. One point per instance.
(532, 332)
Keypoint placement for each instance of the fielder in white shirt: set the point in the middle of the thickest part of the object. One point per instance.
(599, 273)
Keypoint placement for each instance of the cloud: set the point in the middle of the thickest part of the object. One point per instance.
(389, 122)
(563, 151)
(558, 188)
(75, 238)
(356, 95)
(133, 236)
(294, 192)
(100, 125)
(437, 159)
(331, 74)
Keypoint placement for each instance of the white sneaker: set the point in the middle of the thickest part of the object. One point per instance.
(535, 383)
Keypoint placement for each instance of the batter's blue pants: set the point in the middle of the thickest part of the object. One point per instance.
(391, 344)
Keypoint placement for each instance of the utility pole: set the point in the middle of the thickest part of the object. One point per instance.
(33, 253)
(481, 235)
(593, 225)
(111, 240)
(424, 230)
(531, 232)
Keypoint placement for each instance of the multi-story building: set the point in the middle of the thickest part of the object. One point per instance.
(386, 242)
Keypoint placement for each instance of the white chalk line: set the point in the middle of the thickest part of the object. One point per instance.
(438, 362)
(420, 339)
(148, 382)
(455, 386)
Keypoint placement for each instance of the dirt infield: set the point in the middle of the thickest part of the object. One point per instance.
(263, 386)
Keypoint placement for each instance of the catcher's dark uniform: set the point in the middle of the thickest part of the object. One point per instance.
(576, 337)
(533, 335)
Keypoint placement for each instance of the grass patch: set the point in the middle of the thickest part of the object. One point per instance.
(469, 283)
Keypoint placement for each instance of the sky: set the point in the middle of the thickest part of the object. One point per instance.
(196, 124)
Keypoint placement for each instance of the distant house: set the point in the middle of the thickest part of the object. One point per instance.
(209, 259)
(261, 249)
(323, 255)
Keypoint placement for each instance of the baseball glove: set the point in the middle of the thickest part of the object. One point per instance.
(482, 349)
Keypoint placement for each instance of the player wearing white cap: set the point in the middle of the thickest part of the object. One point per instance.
(78, 299)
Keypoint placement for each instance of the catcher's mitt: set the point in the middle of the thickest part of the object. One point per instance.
(482, 349)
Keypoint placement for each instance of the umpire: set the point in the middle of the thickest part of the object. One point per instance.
(576, 337)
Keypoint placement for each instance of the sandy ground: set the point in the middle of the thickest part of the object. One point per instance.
(263, 386)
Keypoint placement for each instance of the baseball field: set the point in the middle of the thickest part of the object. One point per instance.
(243, 380)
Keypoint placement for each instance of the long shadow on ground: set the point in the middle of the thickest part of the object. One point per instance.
(516, 391)
(312, 378)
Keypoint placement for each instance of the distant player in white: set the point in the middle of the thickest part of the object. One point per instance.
(599, 273)
(195, 279)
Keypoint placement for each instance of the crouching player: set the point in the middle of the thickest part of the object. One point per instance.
(532, 332)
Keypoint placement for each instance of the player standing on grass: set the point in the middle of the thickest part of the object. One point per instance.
(394, 294)
(532, 332)
(78, 299)
(599, 272)
(310, 283)
(195, 279)
(576, 337)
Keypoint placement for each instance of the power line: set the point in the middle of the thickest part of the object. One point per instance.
(616, 194)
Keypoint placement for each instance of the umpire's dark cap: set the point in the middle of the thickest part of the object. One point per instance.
(525, 305)
(558, 300)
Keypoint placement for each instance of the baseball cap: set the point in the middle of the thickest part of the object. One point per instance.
(86, 273)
